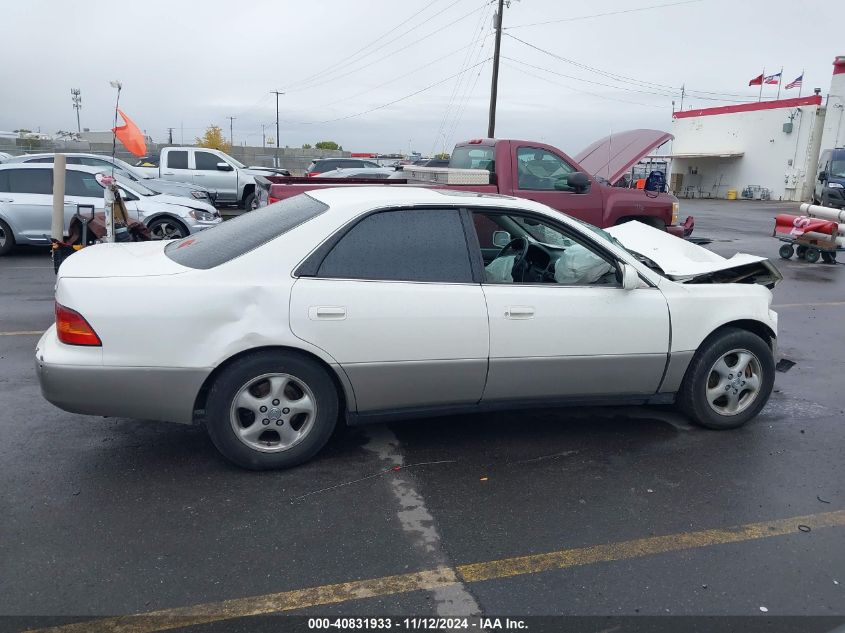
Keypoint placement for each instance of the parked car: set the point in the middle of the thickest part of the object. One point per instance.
(372, 173)
(5, 156)
(320, 165)
(26, 204)
(539, 172)
(233, 181)
(376, 303)
(106, 163)
(830, 180)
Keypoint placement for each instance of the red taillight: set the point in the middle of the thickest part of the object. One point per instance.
(311, 174)
(271, 200)
(73, 329)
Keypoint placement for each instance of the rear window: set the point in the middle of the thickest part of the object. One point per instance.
(233, 238)
(473, 157)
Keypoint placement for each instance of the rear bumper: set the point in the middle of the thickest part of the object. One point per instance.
(150, 393)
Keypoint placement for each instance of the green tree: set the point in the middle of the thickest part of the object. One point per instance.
(327, 145)
(442, 155)
(306, 146)
(213, 139)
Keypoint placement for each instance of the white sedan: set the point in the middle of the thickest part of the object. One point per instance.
(375, 303)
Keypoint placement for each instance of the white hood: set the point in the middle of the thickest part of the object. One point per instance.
(684, 261)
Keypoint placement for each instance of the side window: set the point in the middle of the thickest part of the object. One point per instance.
(79, 183)
(95, 162)
(4, 180)
(207, 161)
(177, 160)
(530, 250)
(402, 245)
(31, 181)
(48, 159)
(540, 170)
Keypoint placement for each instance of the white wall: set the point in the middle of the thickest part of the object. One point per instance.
(771, 158)
(834, 125)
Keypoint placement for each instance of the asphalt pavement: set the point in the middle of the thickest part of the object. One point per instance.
(578, 512)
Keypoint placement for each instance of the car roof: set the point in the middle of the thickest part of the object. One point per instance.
(85, 168)
(373, 197)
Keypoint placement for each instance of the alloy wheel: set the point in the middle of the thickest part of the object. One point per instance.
(166, 230)
(273, 412)
(734, 382)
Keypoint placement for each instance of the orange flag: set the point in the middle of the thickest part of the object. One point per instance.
(131, 137)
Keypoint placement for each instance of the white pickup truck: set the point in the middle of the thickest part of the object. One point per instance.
(233, 181)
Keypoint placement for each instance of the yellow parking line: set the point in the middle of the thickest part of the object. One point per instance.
(23, 333)
(167, 619)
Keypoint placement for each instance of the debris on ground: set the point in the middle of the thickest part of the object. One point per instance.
(822, 500)
(804, 528)
(784, 365)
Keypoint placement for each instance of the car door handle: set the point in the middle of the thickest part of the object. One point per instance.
(327, 313)
(203, 175)
(519, 312)
(6, 200)
(167, 173)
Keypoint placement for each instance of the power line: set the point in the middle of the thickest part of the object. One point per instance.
(601, 15)
(395, 101)
(366, 46)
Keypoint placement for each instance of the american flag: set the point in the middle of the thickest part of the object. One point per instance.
(796, 83)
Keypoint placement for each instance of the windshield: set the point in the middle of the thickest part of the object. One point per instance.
(130, 171)
(133, 186)
(236, 163)
(837, 169)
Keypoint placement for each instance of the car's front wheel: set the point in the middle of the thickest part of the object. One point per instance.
(7, 240)
(271, 410)
(729, 379)
(167, 229)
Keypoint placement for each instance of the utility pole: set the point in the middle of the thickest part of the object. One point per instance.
(170, 136)
(76, 96)
(494, 88)
(231, 134)
(683, 92)
(277, 93)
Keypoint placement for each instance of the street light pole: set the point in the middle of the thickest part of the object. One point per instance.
(76, 96)
(231, 133)
(277, 93)
(494, 88)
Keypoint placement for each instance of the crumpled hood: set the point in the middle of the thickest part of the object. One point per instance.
(687, 262)
(613, 155)
(180, 201)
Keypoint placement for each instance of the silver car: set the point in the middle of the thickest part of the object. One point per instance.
(26, 204)
(106, 163)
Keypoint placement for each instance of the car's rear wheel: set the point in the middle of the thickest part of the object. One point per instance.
(167, 229)
(271, 410)
(7, 240)
(729, 380)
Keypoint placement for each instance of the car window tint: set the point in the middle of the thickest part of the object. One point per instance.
(206, 160)
(402, 245)
(79, 183)
(48, 159)
(233, 238)
(4, 180)
(177, 160)
(538, 169)
(31, 181)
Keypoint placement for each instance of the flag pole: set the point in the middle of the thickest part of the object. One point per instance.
(780, 81)
(801, 85)
(762, 81)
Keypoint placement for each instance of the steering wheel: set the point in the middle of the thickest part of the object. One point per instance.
(520, 246)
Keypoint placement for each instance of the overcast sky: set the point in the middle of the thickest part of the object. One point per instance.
(388, 75)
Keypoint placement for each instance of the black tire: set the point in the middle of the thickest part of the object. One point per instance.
(829, 258)
(786, 251)
(801, 251)
(167, 228)
(220, 409)
(692, 396)
(249, 202)
(7, 240)
(812, 255)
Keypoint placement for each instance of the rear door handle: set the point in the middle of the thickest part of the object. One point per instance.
(327, 313)
(199, 174)
(519, 312)
(167, 173)
(6, 200)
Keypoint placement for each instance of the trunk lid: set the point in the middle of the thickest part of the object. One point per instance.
(686, 262)
(123, 259)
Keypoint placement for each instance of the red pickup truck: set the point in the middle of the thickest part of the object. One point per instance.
(527, 169)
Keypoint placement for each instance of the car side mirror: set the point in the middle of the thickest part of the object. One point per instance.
(579, 181)
(822, 176)
(630, 278)
(224, 167)
(501, 239)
